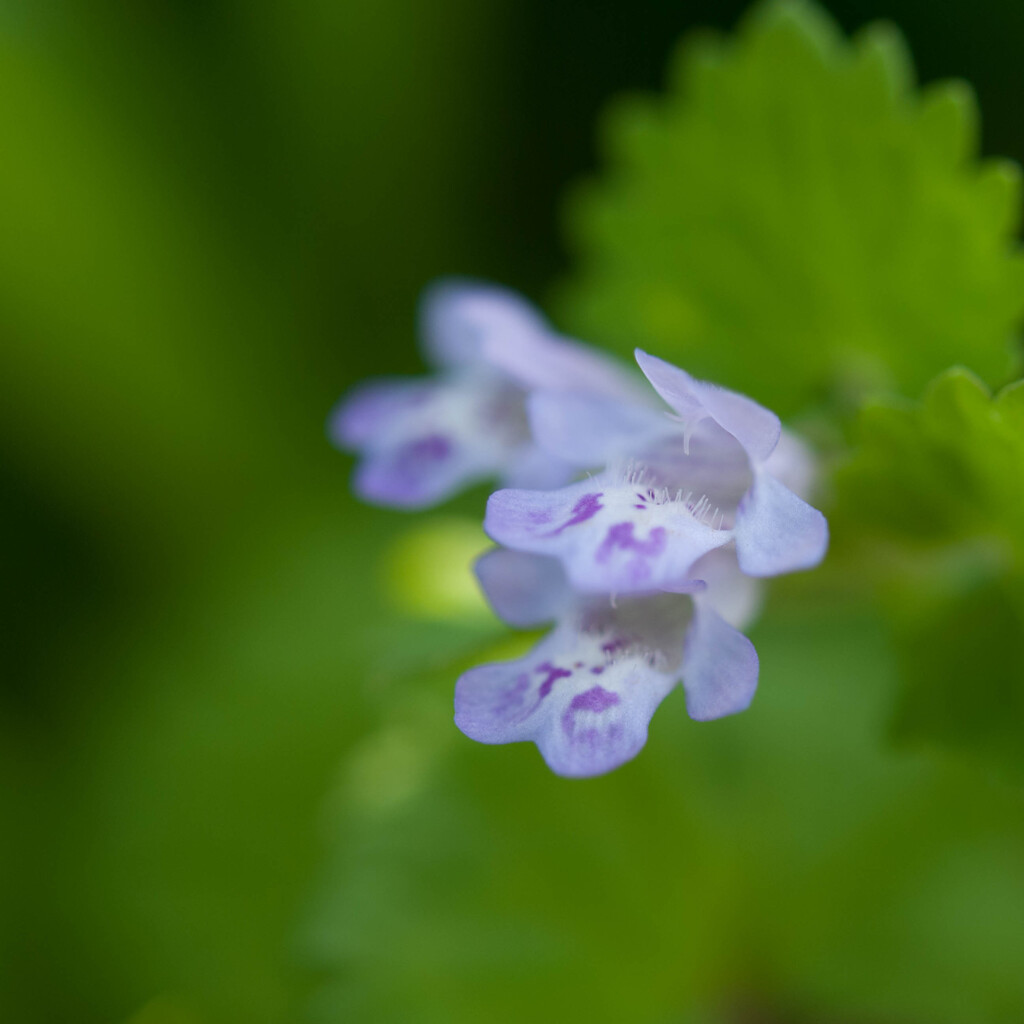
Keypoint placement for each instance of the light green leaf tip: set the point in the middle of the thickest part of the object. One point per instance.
(946, 470)
(1010, 405)
(795, 219)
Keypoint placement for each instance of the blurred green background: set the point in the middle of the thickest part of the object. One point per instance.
(231, 789)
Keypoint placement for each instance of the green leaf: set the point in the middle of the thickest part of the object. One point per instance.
(936, 493)
(795, 220)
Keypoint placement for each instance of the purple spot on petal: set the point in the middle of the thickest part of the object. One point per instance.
(611, 646)
(553, 675)
(586, 508)
(621, 537)
(596, 699)
(597, 670)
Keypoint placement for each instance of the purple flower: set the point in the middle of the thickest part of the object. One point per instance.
(674, 487)
(647, 569)
(423, 439)
(586, 693)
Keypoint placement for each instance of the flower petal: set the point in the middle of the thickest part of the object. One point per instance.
(416, 472)
(456, 316)
(755, 427)
(524, 590)
(543, 360)
(605, 725)
(372, 408)
(730, 592)
(776, 531)
(586, 709)
(793, 465)
(611, 537)
(591, 430)
(720, 666)
(460, 429)
(708, 462)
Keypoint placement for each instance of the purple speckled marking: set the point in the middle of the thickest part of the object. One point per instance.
(553, 675)
(586, 508)
(621, 536)
(596, 699)
(597, 670)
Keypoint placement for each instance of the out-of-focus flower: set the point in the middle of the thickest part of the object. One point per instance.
(675, 486)
(423, 439)
(586, 693)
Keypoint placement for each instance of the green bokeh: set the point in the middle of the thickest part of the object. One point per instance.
(785, 859)
(230, 788)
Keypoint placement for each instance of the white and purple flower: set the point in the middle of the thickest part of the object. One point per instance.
(674, 487)
(586, 693)
(423, 439)
(648, 568)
